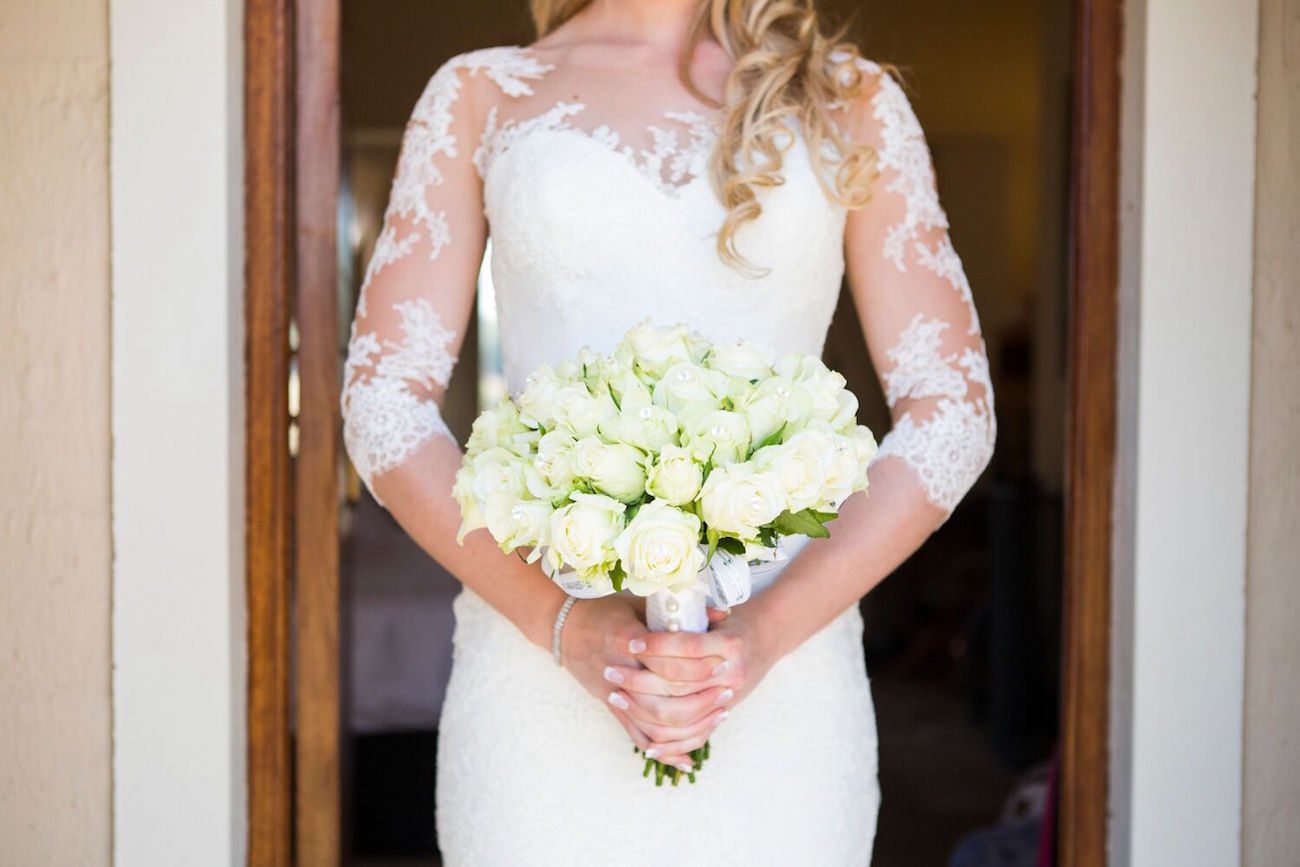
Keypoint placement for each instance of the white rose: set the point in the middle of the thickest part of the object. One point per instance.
(846, 417)
(740, 359)
(628, 391)
(657, 349)
(841, 464)
(737, 499)
(798, 463)
(471, 517)
(774, 402)
(515, 523)
(822, 384)
(660, 549)
(865, 447)
(579, 411)
(649, 427)
(537, 400)
(500, 426)
(675, 477)
(497, 471)
(615, 469)
(689, 391)
(552, 475)
(618, 362)
(582, 534)
(722, 436)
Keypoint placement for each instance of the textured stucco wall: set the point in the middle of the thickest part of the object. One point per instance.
(55, 795)
(1271, 772)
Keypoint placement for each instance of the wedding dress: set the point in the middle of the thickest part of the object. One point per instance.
(594, 185)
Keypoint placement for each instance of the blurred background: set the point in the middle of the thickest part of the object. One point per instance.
(962, 642)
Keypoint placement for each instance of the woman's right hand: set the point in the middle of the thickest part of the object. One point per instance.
(597, 649)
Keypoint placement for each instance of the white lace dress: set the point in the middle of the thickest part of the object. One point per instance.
(594, 190)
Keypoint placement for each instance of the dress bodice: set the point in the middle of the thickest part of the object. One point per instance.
(587, 241)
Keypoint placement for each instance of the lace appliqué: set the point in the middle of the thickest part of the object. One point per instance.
(904, 149)
(385, 420)
(951, 447)
(669, 163)
(428, 136)
(919, 370)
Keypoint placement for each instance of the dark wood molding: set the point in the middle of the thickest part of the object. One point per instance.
(317, 659)
(1091, 438)
(267, 250)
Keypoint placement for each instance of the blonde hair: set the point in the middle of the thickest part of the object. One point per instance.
(783, 67)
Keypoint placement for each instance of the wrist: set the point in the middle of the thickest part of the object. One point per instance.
(541, 626)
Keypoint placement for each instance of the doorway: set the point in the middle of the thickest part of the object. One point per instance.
(991, 642)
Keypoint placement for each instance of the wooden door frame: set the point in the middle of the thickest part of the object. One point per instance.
(291, 165)
(291, 151)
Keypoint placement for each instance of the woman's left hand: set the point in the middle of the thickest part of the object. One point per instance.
(737, 653)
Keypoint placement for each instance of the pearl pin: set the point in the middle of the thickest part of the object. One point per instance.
(672, 605)
(674, 625)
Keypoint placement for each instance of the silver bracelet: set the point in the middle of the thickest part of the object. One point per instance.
(559, 627)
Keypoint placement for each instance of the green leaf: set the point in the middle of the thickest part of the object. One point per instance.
(616, 576)
(804, 521)
(714, 536)
(771, 439)
(732, 546)
(618, 404)
(767, 536)
(823, 516)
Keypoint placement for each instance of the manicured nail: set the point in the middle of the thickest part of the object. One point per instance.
(652, 753)
(721, 668)
(717, 721)
(724, 696)
(618, 701)
(613, 675)
(636, 645)
(685, 768)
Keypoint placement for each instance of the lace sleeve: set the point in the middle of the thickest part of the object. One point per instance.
(916, 308)
(418, 289)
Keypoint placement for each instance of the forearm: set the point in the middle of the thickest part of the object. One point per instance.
(869, 539)
(418, 494)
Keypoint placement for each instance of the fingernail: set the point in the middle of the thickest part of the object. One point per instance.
(636, 645)
(613, 675)
(725, 696)
(721, 668)
(652, 753)
(686, 769)
(618, 701)
(717, 721)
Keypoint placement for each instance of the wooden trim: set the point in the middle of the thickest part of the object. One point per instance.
(1091, 431)
(267, 210)
(316, 566)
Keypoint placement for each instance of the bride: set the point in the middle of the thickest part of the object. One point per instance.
(725, 164)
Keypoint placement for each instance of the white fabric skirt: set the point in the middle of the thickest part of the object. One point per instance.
(533, 770)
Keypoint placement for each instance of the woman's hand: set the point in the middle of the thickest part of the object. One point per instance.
(691, 680)
(599, 647)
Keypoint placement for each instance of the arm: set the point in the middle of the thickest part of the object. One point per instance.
(408, 329)
(923, 333)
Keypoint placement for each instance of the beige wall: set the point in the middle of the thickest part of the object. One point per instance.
(1271, 793)
(55, 800)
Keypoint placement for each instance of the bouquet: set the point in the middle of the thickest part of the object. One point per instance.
(664, 468)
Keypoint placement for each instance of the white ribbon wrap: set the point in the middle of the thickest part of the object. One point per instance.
(681, 611)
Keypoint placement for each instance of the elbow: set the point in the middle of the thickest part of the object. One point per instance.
(384, 424)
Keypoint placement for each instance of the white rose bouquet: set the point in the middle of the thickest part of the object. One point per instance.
(664, 469)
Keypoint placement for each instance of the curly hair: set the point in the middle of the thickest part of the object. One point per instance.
(783, 67)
